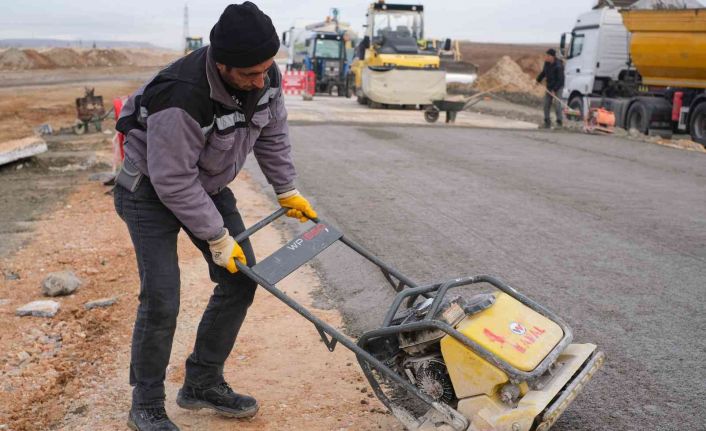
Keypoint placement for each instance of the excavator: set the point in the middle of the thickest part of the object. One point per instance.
(394, 65)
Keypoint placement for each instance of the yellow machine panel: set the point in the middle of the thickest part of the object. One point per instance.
(399, 60)
(668, 47)
(470, 374)
(513, 332)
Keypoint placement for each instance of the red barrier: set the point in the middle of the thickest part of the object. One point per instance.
(299, 82)
(310, 83)
(294, 82)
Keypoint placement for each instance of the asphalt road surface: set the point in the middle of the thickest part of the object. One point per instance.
(609, 233)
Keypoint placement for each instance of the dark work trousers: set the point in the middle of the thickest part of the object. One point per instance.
(154, 229)
(548, 101)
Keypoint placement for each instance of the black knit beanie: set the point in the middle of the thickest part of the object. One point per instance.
(243, 36)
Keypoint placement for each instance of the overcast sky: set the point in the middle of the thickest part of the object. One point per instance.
(160, 21)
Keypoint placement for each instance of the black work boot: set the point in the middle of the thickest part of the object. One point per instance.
(220, 398)
(547, 125)
(150, 419)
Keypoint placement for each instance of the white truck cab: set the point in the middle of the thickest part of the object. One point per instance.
(597, 56)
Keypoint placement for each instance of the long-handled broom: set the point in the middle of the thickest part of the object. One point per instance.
(568, 111)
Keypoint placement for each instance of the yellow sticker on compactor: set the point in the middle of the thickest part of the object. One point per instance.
(513, 332)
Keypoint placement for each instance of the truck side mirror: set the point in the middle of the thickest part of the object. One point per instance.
(447, 45)
(562, 44)
(284, 38)
(366, 42)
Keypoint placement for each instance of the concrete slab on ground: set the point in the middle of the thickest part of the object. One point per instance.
(17, 149)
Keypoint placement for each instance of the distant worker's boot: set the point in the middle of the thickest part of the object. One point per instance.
(547, 125)
(220, 398)
(559, 124)
(150, 419)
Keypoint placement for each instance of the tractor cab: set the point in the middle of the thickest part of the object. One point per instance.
(192, 44)
(326, 57)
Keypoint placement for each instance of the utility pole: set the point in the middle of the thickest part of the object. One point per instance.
(186, 25)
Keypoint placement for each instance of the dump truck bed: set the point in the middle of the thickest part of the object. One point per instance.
(668, 47)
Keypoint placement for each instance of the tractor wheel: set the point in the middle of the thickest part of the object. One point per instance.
(638, 118)
(697, 125)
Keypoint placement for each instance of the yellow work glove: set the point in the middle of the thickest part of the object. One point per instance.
(300, 208)
(225, 251)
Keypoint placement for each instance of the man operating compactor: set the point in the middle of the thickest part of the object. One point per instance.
(188, 132)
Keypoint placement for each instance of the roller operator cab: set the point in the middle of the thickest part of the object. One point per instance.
(646, 66)
(393, 65)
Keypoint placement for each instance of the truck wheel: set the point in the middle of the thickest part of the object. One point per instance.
(697, 125)
(362, 100)
(638, 118)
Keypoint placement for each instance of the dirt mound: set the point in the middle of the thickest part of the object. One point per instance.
(65, 57)
(531, 64)
(38, 60)
(150, 57)
(105, 58)
(508, 76)
(23, 59)
(15, 59)
(485, 55)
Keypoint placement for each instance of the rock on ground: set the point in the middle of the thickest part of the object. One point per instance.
(103, 302)
(60, 283)
(44, 308)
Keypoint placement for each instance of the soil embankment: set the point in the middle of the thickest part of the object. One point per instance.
(486, 55)
(58, 58)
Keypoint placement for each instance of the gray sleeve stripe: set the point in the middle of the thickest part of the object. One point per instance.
(269, 94)
(229, 120)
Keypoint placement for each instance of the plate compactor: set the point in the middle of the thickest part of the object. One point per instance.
(444, 361)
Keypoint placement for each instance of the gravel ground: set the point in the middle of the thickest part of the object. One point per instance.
(608, 232)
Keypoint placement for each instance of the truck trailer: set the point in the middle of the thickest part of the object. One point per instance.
(646, 66)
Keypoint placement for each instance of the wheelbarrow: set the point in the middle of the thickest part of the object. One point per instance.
(453, 106)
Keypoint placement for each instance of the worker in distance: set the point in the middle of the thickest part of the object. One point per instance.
(188, 132)
(553, 72)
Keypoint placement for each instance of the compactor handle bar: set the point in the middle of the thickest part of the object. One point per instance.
(388, 271)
